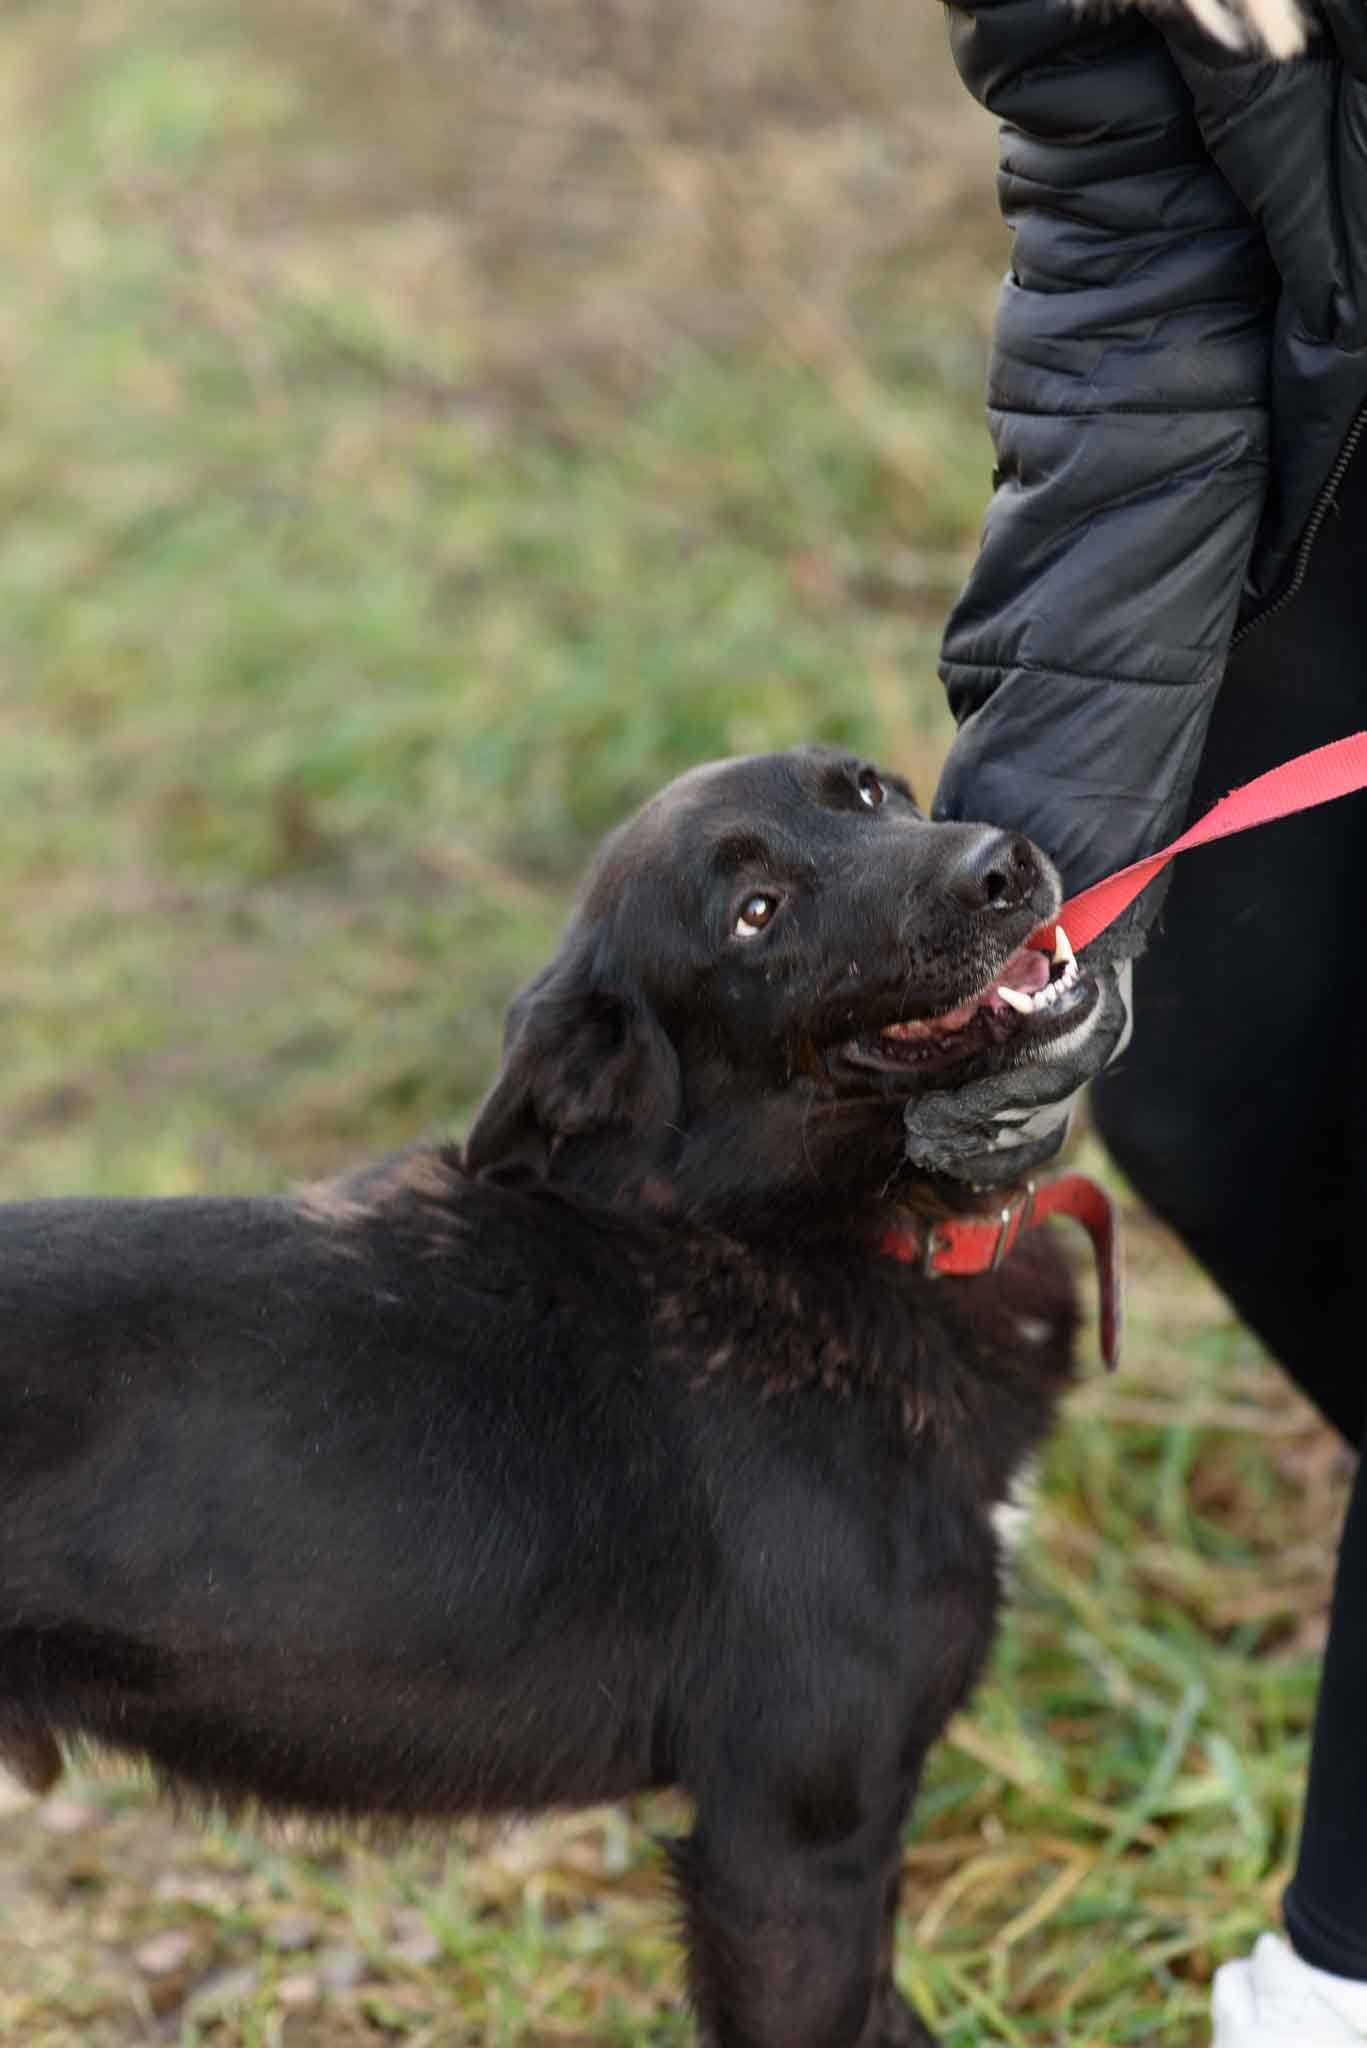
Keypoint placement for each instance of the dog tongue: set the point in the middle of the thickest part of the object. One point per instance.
(1027, 971)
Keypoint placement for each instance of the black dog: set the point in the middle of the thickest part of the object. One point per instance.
(614, 1454)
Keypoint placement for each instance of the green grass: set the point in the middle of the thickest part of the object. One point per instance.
(366, 547)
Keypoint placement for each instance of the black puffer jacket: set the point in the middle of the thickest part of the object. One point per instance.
(1178, 379)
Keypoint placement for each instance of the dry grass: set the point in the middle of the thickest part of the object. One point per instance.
(592, 188)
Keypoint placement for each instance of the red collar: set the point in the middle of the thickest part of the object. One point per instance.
(958, 1246)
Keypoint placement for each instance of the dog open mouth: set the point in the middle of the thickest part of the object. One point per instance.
(1035, 997)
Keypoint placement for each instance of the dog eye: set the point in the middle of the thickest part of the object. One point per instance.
(871, 790)
(756, 912)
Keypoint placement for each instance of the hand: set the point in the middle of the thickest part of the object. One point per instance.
(995, 1132)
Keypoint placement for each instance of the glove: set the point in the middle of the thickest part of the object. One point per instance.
(994, 1133)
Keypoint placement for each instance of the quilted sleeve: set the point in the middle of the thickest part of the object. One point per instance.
(1291, 139)
(1127, 403)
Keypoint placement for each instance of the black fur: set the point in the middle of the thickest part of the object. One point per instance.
(615, 1455)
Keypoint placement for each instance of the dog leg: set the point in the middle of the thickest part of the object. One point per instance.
(898, 2026)
(894, 2024)
(789, 1943)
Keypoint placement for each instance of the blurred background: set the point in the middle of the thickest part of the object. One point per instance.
(425, 426)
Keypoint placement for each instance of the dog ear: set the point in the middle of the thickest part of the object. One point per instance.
(578, 1057)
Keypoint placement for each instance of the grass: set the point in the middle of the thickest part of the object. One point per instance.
(419, 439)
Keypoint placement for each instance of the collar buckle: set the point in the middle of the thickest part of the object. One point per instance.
(1008, 1225)
(957, 1247)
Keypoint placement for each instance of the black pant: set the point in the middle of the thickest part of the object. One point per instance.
(1240, 1115)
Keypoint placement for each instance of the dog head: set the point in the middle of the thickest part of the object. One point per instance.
(764, 964)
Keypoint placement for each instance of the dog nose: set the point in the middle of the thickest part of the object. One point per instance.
(995, 871)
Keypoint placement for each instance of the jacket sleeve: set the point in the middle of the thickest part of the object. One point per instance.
(1291, 139)
(1127, 402)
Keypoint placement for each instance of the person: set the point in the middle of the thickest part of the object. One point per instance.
(1170, 597)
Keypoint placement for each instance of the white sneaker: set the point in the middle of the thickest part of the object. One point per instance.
(1272, 1999)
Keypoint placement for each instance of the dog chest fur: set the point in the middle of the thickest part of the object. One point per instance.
(420, 1433)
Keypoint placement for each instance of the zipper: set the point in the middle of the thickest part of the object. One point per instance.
(1318, 515)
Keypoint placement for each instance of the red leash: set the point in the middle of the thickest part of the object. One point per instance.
(1315, 778)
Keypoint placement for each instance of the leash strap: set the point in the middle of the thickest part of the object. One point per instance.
(1318, 777)
(958, 1247)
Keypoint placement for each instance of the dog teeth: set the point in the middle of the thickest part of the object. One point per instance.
(1047, 997)
(1016, 999)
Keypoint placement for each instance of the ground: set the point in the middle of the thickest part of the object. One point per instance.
(427, 427)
